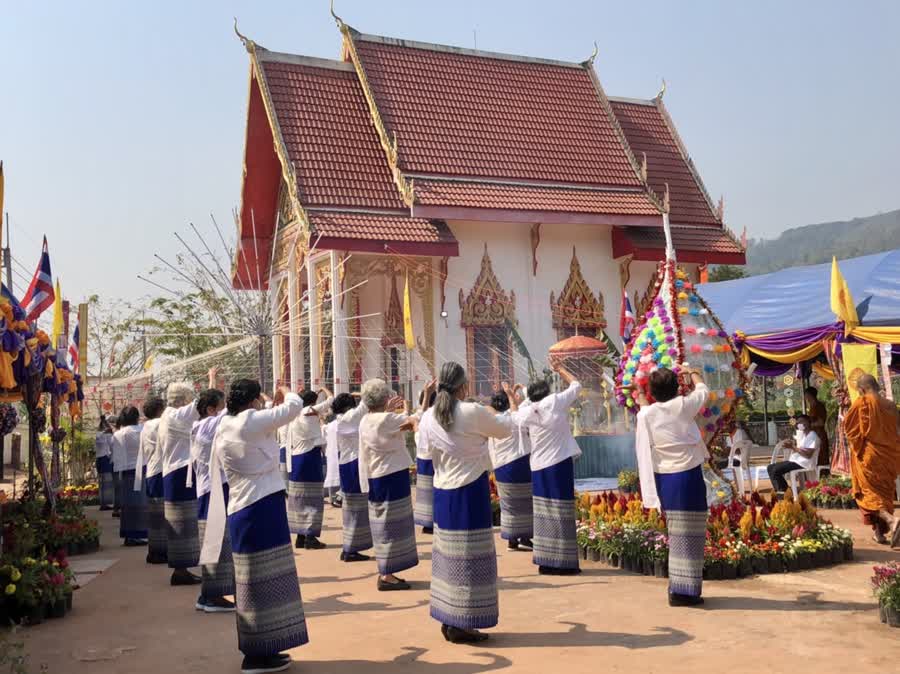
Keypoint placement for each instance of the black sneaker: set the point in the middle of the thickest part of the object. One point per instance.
(313, 543)
(264, 665)
(134, 542)
(116, 513)
(184, 577)
(676, 599)
(428, 530)
(386, 586)
(337, 502)
(354, 557)
(300, 543)
(105, 508)
(201, 603)
(512, 544)
(218, 605)
(526, 543)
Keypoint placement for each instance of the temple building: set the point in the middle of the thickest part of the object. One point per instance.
(510, 194)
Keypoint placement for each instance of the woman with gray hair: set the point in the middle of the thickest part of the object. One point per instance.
(384, 472)
(464, 562)
(181, 505)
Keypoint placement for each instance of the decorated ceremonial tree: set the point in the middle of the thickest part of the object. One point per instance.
(678, 330)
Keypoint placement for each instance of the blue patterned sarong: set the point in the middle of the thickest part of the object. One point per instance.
(354, 511)
(391, 519)
(305, 503)
(270, 616)
(554, 539)
(105, 481)
(218, 578)
(157, 539)
(423, 511)
(516, 499)
(133, 519)
(683, 499)
(464, 562)
(182, 533)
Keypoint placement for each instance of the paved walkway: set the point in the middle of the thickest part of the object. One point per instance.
(129, 620)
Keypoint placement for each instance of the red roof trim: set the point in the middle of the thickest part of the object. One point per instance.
(622, 245)
(545, 217)
(443, 249)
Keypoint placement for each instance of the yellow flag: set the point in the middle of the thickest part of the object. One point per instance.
(148, 364)
(858, 359)
(841, 300)
(408, 335)
(57, 317)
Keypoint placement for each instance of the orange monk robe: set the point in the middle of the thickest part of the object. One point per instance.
(871, 429)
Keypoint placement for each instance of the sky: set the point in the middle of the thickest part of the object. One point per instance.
(123, 122)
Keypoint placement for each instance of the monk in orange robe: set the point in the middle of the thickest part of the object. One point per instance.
(873, 432)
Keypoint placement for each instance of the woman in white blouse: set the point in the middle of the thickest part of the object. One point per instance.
(384, 470)
(464, 562)
(126, 442)
(270, 616)
(553, 450)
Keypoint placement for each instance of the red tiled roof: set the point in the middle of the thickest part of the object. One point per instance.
(504, 196)
(646, 130)
(692, 244)
(471, 114)
(381, 233)
(328, 133)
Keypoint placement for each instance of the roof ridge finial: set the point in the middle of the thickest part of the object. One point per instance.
(246, 41)
(644, 167)
(593, 55)
(720, 209)
(662, 90)
(338, 20)
(666, 204)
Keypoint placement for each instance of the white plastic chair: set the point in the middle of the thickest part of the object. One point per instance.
(741, 451)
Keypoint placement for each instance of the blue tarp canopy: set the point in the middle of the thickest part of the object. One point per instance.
(800, 297)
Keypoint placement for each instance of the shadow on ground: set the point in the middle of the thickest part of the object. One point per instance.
(805, 601)
(580, 636)
(409, 661)
(335, 603)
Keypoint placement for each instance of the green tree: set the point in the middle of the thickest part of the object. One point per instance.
(726, 272)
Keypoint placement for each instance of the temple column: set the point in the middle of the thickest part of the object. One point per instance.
(296, 362)
(312, 315)
(339, 342)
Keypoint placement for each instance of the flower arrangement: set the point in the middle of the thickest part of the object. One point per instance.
(886, 587)
(88, 494)
(35, 577)
(628, 480)
(495, 501)
(742, 538)
(831, 492)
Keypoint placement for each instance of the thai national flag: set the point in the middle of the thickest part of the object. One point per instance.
(626, 322)
(39, 295)
(73, 349)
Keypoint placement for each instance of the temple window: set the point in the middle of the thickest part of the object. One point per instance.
(486, 314)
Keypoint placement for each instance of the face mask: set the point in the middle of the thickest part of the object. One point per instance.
(802, 427)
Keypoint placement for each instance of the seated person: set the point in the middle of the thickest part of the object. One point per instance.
(806, 445)
(740, 439)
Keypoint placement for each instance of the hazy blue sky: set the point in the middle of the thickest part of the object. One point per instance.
(120, 122)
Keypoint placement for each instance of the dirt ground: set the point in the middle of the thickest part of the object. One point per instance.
(129, 620)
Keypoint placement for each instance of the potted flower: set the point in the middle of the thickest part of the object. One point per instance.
(628, 481)
(886, 587)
